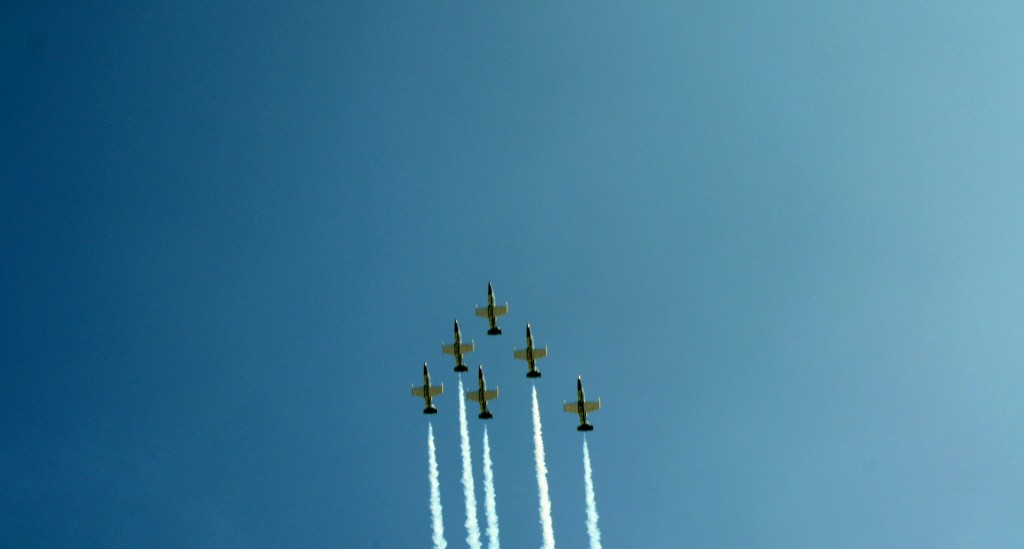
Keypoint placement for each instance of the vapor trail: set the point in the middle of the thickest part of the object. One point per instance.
(490, 504)
(472, 526)
(588, 483)
(547, 530)
(435, 493)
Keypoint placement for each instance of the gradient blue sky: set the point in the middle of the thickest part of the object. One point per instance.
(783, 243)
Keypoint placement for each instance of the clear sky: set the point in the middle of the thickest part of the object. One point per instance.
(782, 242)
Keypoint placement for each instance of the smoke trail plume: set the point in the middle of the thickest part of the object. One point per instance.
(472, 526)
(490, 504)
(547, 530)
(435, 493)
(588, 482)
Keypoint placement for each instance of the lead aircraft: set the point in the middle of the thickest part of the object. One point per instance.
(482, 395)
(458, 349)
(581, 407)
(530, 355)
(427, 392)
(491, 313)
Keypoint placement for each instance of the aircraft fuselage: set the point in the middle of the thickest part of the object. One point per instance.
(580, 408)
(531, 362)
(491, 316)
(427, 399)
(481, 394)
(460, 366)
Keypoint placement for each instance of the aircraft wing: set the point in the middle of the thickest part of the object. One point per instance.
(490, 395)
(498, 311)
(571, 408)
(473, 395)
(434, 390)
(592, 406)
(482, 311)
(450, 349)
(537, 353)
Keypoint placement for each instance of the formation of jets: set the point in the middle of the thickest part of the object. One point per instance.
(481, 395)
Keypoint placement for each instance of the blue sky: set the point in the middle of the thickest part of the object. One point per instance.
(781, 243)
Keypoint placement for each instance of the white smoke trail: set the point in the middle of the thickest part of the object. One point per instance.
(435, 493)
(472, 526)
(547, 530)
(490, 504)
(588, 482)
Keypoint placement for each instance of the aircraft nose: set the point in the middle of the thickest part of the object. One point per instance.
(489, 289)
(456, 325)
(424, 368)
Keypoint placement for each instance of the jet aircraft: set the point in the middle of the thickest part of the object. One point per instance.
(427, 392)
(581, 407)
(491, 313)
(458, 349)
(530, 355)
(482, 395)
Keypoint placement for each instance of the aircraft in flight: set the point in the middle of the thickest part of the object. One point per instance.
(482, 395)
(458, 349)
(491, 313)
(581, 407)
(530, 355)
(427, 392)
